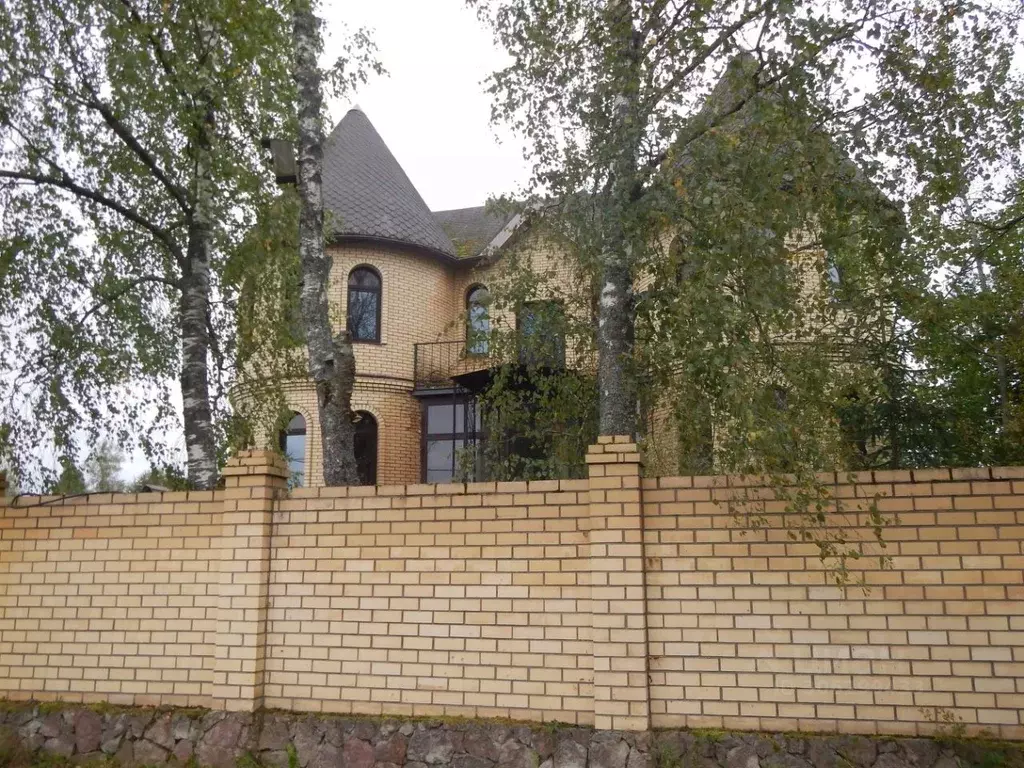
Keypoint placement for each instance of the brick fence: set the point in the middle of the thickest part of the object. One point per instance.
(616, 601)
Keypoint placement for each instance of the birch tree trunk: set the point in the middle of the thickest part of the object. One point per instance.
(194, 306)
(331, 361)
(616, 391)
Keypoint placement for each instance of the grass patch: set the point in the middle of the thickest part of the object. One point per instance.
(711, 735)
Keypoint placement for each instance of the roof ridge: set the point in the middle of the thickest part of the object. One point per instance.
(463, 208)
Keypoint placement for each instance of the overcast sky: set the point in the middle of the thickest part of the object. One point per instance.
(431, 108)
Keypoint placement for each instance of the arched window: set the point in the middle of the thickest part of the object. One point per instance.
(365, 445)
(835, 278)
(293, 446)
(364, 289)
(478, 322)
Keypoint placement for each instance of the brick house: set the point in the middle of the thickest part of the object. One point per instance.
(412, 287)
(404, 279)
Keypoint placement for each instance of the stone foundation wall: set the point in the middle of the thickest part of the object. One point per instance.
(151, 737)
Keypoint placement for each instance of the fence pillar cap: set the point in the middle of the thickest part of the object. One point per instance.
(252, 462)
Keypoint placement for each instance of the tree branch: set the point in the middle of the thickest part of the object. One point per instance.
(154, 41)
(44, 363)
(63, 181)
(1002, 227)
(708, 50)
(120, 291)
(126, 136)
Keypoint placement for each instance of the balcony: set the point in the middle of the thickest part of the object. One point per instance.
(436, 363)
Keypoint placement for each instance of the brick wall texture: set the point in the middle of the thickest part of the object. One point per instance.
(617, 601)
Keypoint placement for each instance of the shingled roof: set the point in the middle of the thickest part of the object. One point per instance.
(471, 229)
(368, 194)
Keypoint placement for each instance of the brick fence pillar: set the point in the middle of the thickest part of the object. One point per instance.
(621, 685)
(253, 481)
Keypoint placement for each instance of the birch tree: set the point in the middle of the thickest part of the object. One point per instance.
(919, 104)
(332, 365)
(130, 165)
(710, 162)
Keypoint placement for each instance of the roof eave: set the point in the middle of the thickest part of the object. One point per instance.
(447, 258)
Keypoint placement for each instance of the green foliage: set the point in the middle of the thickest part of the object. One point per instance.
(130, 169)
(168, 476)
(264, 271)
(800, 195)
(70, 482)
(949, 727)
(13, 753)
(667, 755)
(103, 467)
(102, 108)
(539, 410)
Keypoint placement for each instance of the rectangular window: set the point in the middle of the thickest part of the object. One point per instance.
(450, 439)
(541, 326)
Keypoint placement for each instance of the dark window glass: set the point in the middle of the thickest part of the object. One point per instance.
(450, 439)
(451, 418)
(365, 444)
(478, 322)
(542, 334)
(682, 265)
(364, 293)
(440, 419)
(293, 445)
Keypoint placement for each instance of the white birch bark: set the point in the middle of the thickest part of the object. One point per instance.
(617, 403)
(200, 444)
(331, 361)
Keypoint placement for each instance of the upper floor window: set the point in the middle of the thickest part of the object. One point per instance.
(541, 327)
(364, 293)
(835, 277)
(478, 322)
(292, 441)
(365, 447)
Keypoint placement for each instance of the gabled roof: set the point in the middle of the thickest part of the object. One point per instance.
(472, 229)
(368, 195)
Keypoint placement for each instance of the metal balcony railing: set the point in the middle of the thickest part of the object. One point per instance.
(436, 362)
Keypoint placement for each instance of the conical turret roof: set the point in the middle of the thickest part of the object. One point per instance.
(367, 193)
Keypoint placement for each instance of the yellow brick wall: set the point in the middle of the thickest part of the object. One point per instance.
(433, 599)
(423, 300)
(109, 598)
(418, 304)
(398, 427)
(615, 600)
(746, 631)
